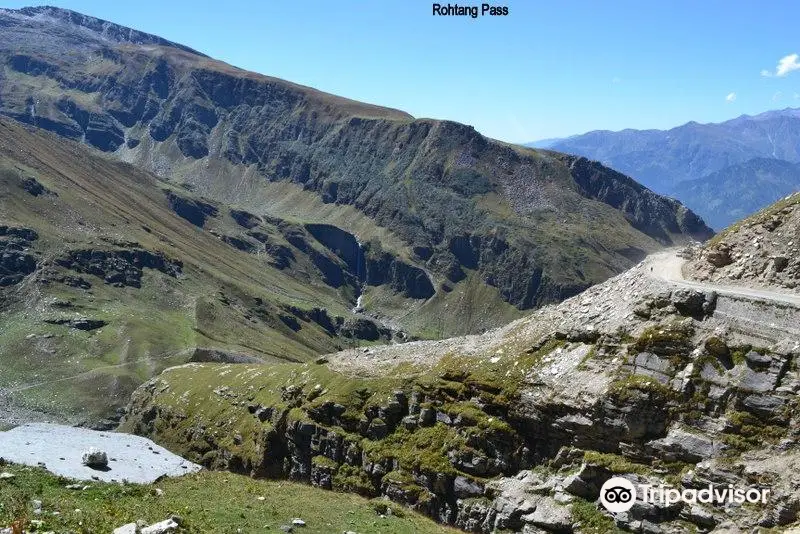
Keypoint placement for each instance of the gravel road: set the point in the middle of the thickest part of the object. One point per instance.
(667, 265)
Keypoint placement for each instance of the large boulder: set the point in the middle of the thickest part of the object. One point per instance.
(94, 458)
(551, 516)
(682, 446)
(719, 257)
(587, 482)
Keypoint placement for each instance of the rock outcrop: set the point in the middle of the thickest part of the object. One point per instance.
(193, 210)
(16, 258)
(762, 250)
(95, 458)
(119, 268)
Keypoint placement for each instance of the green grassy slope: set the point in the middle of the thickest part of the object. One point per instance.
(207, 502)
(224, 298)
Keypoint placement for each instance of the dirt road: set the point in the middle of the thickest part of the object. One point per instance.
(668, 266)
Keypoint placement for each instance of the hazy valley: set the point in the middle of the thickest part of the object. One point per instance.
(723, 171)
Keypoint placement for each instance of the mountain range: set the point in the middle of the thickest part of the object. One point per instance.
(723, 171)
(265, 219)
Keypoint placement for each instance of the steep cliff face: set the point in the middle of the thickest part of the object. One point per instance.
(534, 225)
(519, 428)
(373, 266)
(645, 210)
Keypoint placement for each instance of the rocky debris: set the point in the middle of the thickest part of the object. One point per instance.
(683, 446)
(120, 267)
(686, 302)
(95, 458)
(550, 515)
(586, 483)
(761, 250)
(168, 525)
(719, 257)
(130, 528)
(140, 527)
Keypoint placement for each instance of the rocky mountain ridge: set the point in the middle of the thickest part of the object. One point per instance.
(535, 227)
(92, 26)
(108, 275)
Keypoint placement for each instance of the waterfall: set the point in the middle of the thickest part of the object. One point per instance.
(361, 276)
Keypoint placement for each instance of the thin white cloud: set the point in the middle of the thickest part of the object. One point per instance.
(616, 79)
(797, 96)
(766, 74)
(777, 96)
(787, 64)
(730, 98)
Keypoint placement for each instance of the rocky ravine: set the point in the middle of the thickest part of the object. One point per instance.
(762, 250)
(517, 429)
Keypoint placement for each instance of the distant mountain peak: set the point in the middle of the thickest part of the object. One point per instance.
(773, 114)
(720, 170)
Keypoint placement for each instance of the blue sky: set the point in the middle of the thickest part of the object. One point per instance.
(549, 69)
